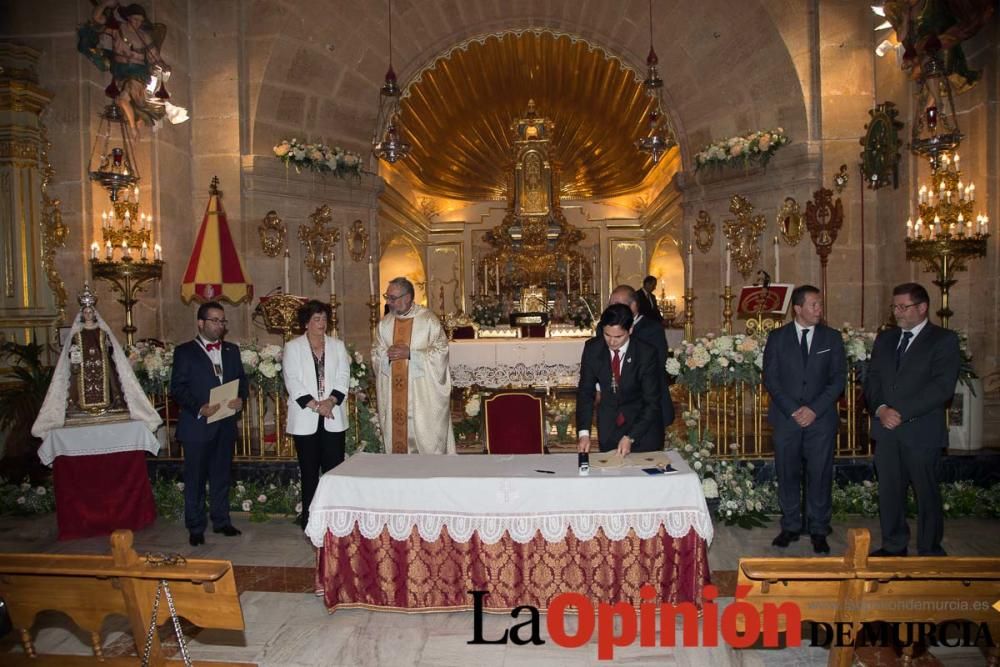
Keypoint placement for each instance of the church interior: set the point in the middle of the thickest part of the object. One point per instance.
(516, 162)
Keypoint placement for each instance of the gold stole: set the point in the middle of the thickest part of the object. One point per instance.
(402, 330)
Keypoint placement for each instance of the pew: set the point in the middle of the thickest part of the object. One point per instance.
(856, 589)
(89, 588)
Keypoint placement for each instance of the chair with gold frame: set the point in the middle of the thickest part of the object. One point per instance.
(514, 423)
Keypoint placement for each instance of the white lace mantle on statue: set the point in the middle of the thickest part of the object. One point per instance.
(493, 495)
(53, 412)
(519, 362)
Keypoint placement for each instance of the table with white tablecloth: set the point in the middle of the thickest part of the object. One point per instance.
(418, 532)
(518, 362)
(99, 477)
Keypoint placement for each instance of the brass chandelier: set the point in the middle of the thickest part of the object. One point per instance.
(390, 147)
(660, 138)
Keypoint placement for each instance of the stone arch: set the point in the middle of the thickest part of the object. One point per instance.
(726, 67)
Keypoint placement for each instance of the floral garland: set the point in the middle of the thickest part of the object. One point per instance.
(750, 148)
(737, 499)
(262, 366)
(487, 310)
(715, 361)
(318, 157)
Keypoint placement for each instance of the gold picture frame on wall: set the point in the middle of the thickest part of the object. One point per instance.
(790, 221)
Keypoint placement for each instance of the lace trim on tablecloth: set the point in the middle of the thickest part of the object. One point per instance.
(521, 528)
(494, 377)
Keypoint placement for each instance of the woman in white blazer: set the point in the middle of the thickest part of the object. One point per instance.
(317, 372)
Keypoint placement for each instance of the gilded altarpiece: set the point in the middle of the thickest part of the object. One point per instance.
(32, 294)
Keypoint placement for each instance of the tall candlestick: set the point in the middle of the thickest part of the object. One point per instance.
(286, 271)
(333, 279)
(777, 261)
(498, 276)
(729, 264)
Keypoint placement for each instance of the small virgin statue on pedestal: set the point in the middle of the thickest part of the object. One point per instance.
(93, 380)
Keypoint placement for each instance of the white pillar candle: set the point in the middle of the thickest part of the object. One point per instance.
(108, 250)
(157, 252)
(690, 267)
(909, 229)
(333, 279)
(729, 265)
(371, 276)
(144, 252)
(777, 262)
(580, 277)
(567, 278)
(473, 277)
(94, 248)
(498, 276)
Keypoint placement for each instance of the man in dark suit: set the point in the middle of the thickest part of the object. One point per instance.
(200, 365)
(628, 414)
(911, 379)
(805, 370)
(649, 331)
(647, 299)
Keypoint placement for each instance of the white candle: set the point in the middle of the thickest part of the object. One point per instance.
(498, 275)
(286, 271)
(125, 250)
(729, 265)
(473, 277)
(957, 158)
(567, 278)
(909, 229)
(690, 267)
(593, 277)
(108, 250)
(144, 252)
(94, 248)
(371, 276)
(972, 192)
(333, 279)
(777, 261)
(580, 281)
(157, 252)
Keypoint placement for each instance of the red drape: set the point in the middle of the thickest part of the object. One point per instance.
(98, 494)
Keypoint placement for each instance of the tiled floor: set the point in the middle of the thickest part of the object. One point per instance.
(288, 626)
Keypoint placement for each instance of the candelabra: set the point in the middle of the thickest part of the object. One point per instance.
(727, 310)
(128, 277)
(689, 298)
(944, 237)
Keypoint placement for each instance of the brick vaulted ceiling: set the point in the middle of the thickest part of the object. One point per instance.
(457, 113)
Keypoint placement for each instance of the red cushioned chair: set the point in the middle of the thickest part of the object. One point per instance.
(463, 333)
(514, 423)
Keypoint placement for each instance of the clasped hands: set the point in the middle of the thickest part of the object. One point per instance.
(324, 407)
(210, 409)
(398, 351)
(804, 416)
(889, 417)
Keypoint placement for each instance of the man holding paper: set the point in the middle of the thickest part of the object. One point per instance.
(209, 386)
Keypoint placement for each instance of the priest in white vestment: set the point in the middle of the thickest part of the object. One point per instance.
(410, 359)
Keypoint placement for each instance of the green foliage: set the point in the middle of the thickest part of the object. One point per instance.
(25, 498)
(21, 398)
(261, 498)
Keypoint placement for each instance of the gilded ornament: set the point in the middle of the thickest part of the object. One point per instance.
(318, 239)
(54, 232)
(790, 221)
(704, 231)
(357, 242)
(743, 234)
(824, 218)
(272, 231)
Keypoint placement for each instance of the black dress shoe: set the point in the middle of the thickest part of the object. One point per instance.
(820, 545)
(196, 538)
(882, 553)
(784, 538)
(228, 531)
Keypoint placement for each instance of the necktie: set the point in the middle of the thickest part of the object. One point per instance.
(213, 346)
(901, 350)
(805, 346)
(616, 372)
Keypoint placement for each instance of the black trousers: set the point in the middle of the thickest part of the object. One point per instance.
(319, 451)
(809, 449)
(209, 461)
(899, 465)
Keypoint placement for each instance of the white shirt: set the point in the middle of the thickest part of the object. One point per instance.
(915, 331)
(798, 334)
(215, 355)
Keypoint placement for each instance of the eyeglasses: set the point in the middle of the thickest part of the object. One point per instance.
(902, 307)
(389, 297)
(217, 320)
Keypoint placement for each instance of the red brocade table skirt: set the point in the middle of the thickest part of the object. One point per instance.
(98, 494)
(416, 575)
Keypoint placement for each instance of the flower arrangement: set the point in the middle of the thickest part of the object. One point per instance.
(487, 310)
(712, 361)
(469, 426)
(26, 498)
(262, 366)
(747, 149)
(958, 499)
(582, 310)
(364, 433)
(858, 347)
(561, 414)
(737, 498)
(965, 371)
(262, 499)
(152, 365)
(318, 157)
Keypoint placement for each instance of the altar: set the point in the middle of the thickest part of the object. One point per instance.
(517, 362)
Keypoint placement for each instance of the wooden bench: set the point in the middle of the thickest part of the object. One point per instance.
(856, 589)
(90, 588)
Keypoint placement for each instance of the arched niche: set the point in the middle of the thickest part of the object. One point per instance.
(667, 264)
(402, 259)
